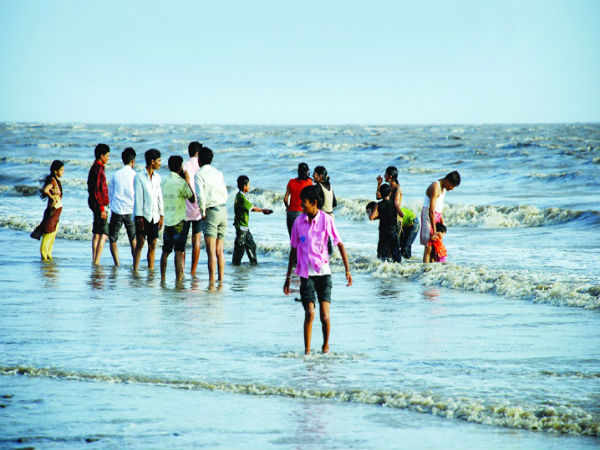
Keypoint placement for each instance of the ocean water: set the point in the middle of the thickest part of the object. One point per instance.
(499, 348)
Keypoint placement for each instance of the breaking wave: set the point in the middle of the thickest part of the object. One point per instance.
(565, 419)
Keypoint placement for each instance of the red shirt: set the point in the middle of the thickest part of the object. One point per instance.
(295, 185)
(97, 188)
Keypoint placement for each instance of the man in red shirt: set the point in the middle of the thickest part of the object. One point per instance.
(98, 200)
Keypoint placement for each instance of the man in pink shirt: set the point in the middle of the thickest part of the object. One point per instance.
(310, 234)
(192, 211)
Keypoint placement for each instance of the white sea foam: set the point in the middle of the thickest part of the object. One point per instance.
(559, 418)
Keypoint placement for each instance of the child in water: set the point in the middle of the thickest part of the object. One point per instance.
(388, 246)
(309, 252)
(244, 241)
(438, 251)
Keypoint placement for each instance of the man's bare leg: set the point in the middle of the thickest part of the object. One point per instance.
(196, 247)
(309, 316)
(139, 245)
(427, 254)
(325, 324)
(179, 265)
(220, 251)
(114, 251)
(151, 252)
(211, 252)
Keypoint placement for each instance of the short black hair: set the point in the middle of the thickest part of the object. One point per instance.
(100, 150)
(453, 178)
(194, 148)
(242, 181)
(440, 227)
(384, 190)
(392, 172)
(313, 193)
(205, 156)
(151, 155)
(371, 205)
(175, 163)
(128, 155)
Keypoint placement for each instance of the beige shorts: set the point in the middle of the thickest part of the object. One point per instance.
(215, 223)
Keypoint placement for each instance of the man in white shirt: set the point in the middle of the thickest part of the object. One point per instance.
(192, 213)
(211, 196)
(121, 197)
(148, 207)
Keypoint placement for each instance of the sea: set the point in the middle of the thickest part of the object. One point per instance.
(498, 348)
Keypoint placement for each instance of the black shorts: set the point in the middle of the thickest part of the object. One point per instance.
(118, 220)
(100, 225)
(175, 237)
(317, 286)
(196, 226)
(150, 231)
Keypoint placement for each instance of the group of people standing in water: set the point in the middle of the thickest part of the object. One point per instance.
(193, 197)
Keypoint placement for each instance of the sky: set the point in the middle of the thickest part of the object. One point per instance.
(300, 62)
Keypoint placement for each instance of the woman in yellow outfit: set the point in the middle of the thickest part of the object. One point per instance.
(53, 191)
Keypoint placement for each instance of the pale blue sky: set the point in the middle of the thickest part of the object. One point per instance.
(300, 62)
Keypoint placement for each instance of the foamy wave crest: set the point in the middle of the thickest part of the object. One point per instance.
(565, 419)
(554, 175)
(489, 216)
(113, 165)
(538, 287)
(66, 230)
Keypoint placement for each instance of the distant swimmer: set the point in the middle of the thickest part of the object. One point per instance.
(433, 205)
(308, 241)
(98, 200)
(52, 190)
(244, 241)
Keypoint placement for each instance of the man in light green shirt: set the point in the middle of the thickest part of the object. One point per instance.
(176, 190)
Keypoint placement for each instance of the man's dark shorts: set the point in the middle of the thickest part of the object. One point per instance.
(150, 231)
(313, 287)
(100, 225)
(175, 237)
(196, 226)
(118, 220)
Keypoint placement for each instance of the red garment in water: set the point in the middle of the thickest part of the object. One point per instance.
(439, 248)
(296, 185)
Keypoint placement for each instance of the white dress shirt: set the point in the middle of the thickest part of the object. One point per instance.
(148, 196)
(120, 190)
(211, 189)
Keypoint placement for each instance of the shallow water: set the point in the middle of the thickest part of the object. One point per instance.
(498, 348)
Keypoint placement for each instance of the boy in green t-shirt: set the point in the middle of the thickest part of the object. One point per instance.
(243, 238)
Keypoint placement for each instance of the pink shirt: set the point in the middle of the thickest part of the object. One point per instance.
(310, 241)
(192, 211)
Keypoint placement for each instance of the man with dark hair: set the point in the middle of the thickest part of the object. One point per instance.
(121, 195)
(192, 213)
(176, 190)
(211, 195)
(148, 207)
(98, 200)
(433, 205)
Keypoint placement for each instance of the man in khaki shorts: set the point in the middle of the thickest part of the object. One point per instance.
(211, 196)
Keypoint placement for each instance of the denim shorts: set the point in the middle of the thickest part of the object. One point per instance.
(175, 237)
(313, 287)
(215, 222)
(118, 220)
